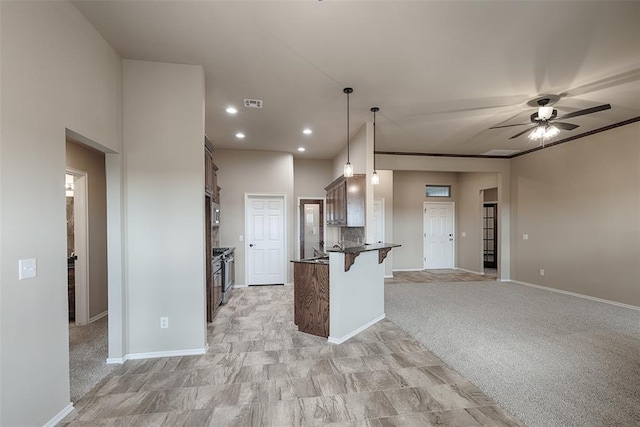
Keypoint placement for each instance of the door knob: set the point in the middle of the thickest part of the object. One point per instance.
(250, 245)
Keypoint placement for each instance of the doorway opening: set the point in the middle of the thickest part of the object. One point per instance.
(85, 192)
(311, 228)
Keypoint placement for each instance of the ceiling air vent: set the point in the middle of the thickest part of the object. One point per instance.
(253, 103)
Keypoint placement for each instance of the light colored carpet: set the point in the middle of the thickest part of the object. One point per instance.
(548, 358)
(88, 352)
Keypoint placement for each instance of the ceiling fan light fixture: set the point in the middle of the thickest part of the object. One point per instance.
(537, 133)
(544, 132)
(545, 113)
(551, 132)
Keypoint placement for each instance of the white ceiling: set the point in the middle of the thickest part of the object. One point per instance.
(442, 73)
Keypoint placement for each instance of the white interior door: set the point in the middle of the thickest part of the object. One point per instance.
(378, 220)
(438, 235)
(265, 240)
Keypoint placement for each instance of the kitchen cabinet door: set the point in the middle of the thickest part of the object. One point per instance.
(346, 202)
(209, 178)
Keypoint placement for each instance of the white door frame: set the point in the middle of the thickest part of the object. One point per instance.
(453, 231)
(248, 196)
(81, 242)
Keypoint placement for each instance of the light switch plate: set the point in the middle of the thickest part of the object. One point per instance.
(27, 269)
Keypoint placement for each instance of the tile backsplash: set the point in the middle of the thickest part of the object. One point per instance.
(352, 236)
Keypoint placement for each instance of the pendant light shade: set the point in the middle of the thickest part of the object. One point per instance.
(375, 179)
(348, 170)
(348, 167)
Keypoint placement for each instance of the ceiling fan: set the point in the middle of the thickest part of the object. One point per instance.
(545, 120)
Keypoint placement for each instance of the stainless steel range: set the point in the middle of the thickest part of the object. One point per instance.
(228, 271)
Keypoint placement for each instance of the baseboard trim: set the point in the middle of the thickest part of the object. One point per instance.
(356, 332)
(158, 354)
(408, 269)
(60, 415)
(388, 276)
(171, 353)
(99, 316)
(116, 360)
(575, 294)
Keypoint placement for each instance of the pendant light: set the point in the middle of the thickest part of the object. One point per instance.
(375, 179)
(348, 167)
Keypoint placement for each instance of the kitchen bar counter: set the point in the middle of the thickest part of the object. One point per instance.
(339, 297)
(351, 252)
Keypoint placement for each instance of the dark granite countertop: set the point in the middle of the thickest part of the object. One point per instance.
(351, 252)
(364, 248)
(319, 260)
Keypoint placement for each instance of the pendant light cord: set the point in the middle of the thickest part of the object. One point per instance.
(374, 110)
(348, 149)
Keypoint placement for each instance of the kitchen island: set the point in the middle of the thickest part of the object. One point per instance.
(343, 294)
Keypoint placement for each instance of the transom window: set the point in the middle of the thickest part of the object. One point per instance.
(438, 190)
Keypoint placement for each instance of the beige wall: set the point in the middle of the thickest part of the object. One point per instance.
(491, 195)
(579, 203)
(57, 73)
(408, 204)
(469, 218)
(92, 162)
(357, 153)
(501, 167)
(253, 172)
(310, 179)
(163, 109)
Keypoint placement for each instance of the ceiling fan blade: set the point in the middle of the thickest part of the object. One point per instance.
(523, 132)
(586, 111)
(508, 126)
(564, 125)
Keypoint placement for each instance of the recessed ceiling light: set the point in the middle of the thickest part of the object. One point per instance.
(240, 135)
(231, 110)
(307, 131)
(301, 149)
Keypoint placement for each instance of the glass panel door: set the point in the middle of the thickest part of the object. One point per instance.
(311, 227)
(490, 235)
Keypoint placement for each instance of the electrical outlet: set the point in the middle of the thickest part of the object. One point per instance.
(164, 322)
(525, 237)
(542, 271)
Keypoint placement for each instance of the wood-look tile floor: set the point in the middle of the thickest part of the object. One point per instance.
(260, 371)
